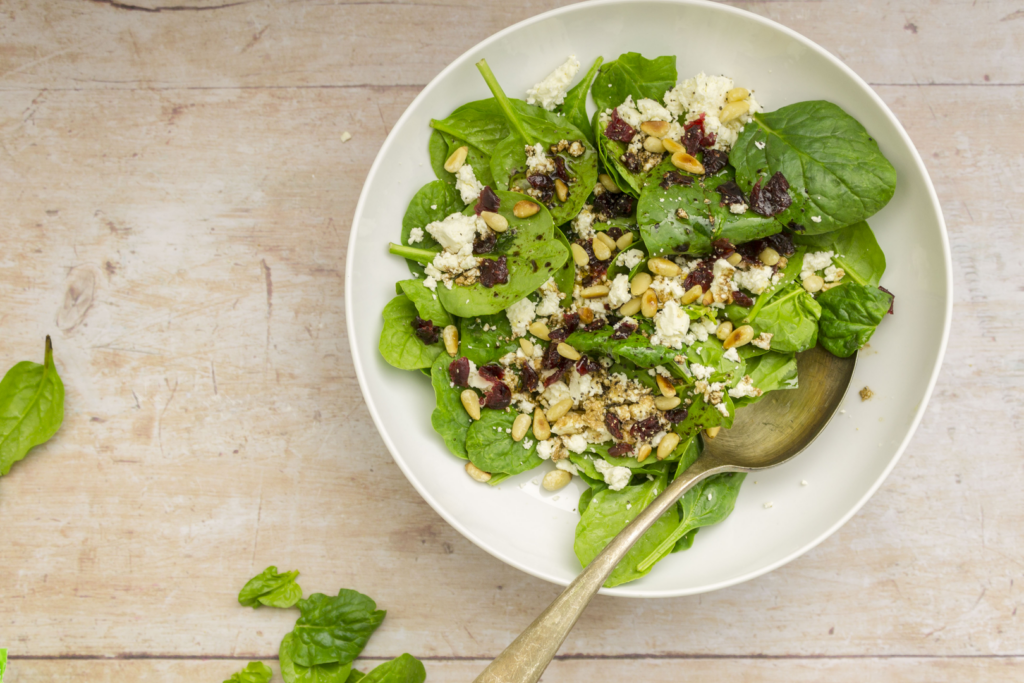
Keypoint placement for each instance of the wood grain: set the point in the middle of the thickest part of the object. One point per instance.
(177, 204)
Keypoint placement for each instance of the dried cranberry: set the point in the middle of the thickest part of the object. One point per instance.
(699, 121)
(618, 129)
(586, 365)
(694, 134)
(676, 416)
(619, 449)
(543, 184)
(632, 162)
(623, 330)
(702, 274)
(530, 378)
(675, 178)
(560, 169)
(596, 325)
(645, 429)
(458, 372)
(554, 377)
(485, 245)
(614, 204)
(892, 302)
(426, 330)
(571, 321)
(731, 193)
(488, 201)
(559, 334)
(551, 358)
(498, 397)
(722, 248)
(494, 271)
(615, 232)
(773, 198)
(614, 425)
(741, 299)
(714, 161)
(782, 242)
(492, 372)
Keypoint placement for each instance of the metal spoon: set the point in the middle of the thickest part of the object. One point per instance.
(763, 435)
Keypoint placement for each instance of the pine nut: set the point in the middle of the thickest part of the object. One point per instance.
(737, 94)
(451, 340)
(733, 110)
(471, 402)
(665, 386)
(658, 129)
(457, 159)
(667, 445)
(520, 426)
(601, 250)
(653, 145)
(527, 346)
(724, 330)
(813, 283)
(672, 146)
(607, 239)
(712, 432)
(708, 299)
(539, 330)
(609, 183)
(685, 162)
(556, 480)
(631, 307)
(595, 292)
(525, 209)
(477, 473)
(645, 450)
(734, 258)
(586, 315)
(769, 256)
(494, 221)
(558, 409)
(667, 402)
(624, 241)
(579, 255)
(541, 428)
(691, 295)
(739, 337)
(566, 351)
(649, 303)
(664, 267)
(640, 284)
(561, 189)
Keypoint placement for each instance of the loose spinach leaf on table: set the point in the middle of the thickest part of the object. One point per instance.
(427, 305)
(491, 448)
(399, 345)
(433, 202)
(272, 589)
(857, 251)
(574, 106)
(483, 346)
(849, 315)
(333, 629)
(31, 408)
(834, 167)
(319, 673)
(449, 418)
(403, 669)
(254, 672)
(633, 75)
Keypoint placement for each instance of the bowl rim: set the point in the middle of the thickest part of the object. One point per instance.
(919, 414)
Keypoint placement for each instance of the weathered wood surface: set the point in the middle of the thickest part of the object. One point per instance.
(176, 204)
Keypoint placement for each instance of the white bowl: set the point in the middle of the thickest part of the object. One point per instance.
(529, 529)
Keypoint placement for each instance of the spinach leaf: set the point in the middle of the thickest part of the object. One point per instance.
(574, 106)
(849, 315)
(403, 669)
(320, 673)
(611, 155)
(792, 318)
(399, 344)
(565, 277)
(449, 418)
(769, 372)
(492, 449)
(701, 415)
(834, 167)
(425, 301)
(272, 589)
(333, 629)
(355, 676)
(433, 202)
(857, 251)
(31, 408)
(633, 75)
(480, 161)
(482, 123)
(254, 672)
(483, 346)
(635, 348)
(3, 663)
(438, 148)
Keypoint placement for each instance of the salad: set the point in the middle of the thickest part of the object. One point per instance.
(596, 293)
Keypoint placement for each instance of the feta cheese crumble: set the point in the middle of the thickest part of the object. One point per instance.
(630, 258)
(550, 92)
(745, 388)
(551, 297)
(671, 323)
(755, 279)
(520, 315)
(415, 235)
(467, 184)
(456, 231)
(814, 261)
(706, 95)
(619, 292)
(615, 477)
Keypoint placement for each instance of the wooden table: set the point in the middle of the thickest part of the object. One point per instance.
(176, 203)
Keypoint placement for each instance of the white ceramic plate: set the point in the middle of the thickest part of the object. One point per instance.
(533, 530)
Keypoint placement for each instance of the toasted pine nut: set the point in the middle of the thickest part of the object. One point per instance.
(579, 255)
(539, 330)
(691, 295)
(665, 386)
(609, 183)
(494, 221)
(477, 473)
(541, 428)
(739, 337)
(813, 283)
(724, 330)
(520, 426)
(712, 432)
(595, 292)
(769, 256)
(451, 340)
(558, 409)
(734, 258)
(708, 299)
(737, 94)
(667, 402)
(733, 110)
(645, 450)
(561, 189)
(685, 162)
(653, 145)
(658, 129)
(457, 159)
(607, 239)
(471, 402)
(667, 445)
(586, 315)
(566, 351)
(526, 345)
(525, 209)
(649, 303)
(556, 480)
(601, 250)
(624, 241)
(631, 307)
(672, 146)
(640, 284)
(662, 266)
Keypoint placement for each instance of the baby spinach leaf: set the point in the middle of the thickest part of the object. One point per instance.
(611, 155)
(31, 408)
(399, 344)
(701, 415)
(333, 629)
(632, 75)
(438, 149)
(574, 106)
(355, 676)
(834, 167)
(292, 672)
(492, 449)
(565, 277)
(271, 588)
(425, 301)
(849, 315)
(480, 161)
(857, 251)
(635, 348)
(769, 372)
(449, 418)
(792, 318)
(482, 123)
(403, 669)
(3, 663)
(254, 672)
(509, 157)
(433, 202)
(483, 346)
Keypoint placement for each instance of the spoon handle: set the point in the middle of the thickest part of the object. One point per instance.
(529, 655)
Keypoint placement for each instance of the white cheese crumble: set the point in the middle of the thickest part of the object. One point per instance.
(475, 380)
(615, 477)
(583, 386)
(755, 279)
(537, 161)
(619, 292)
(705, 94)
(467, 184)
(575, 443)
(550, 92)
(721, 286)
(671, 323)
(833, 274)
(583, 223)
(457, 230)
(732, 355)
(630, 258)
(759, 144)
(415, 235)
(520, 315)
(550, 298)
(744, 388)
(738, 208)
(763, 340)
(545, 449)
(555, 393)
(816, 219)
(815, 260)
(564, 464)
(701, 371)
